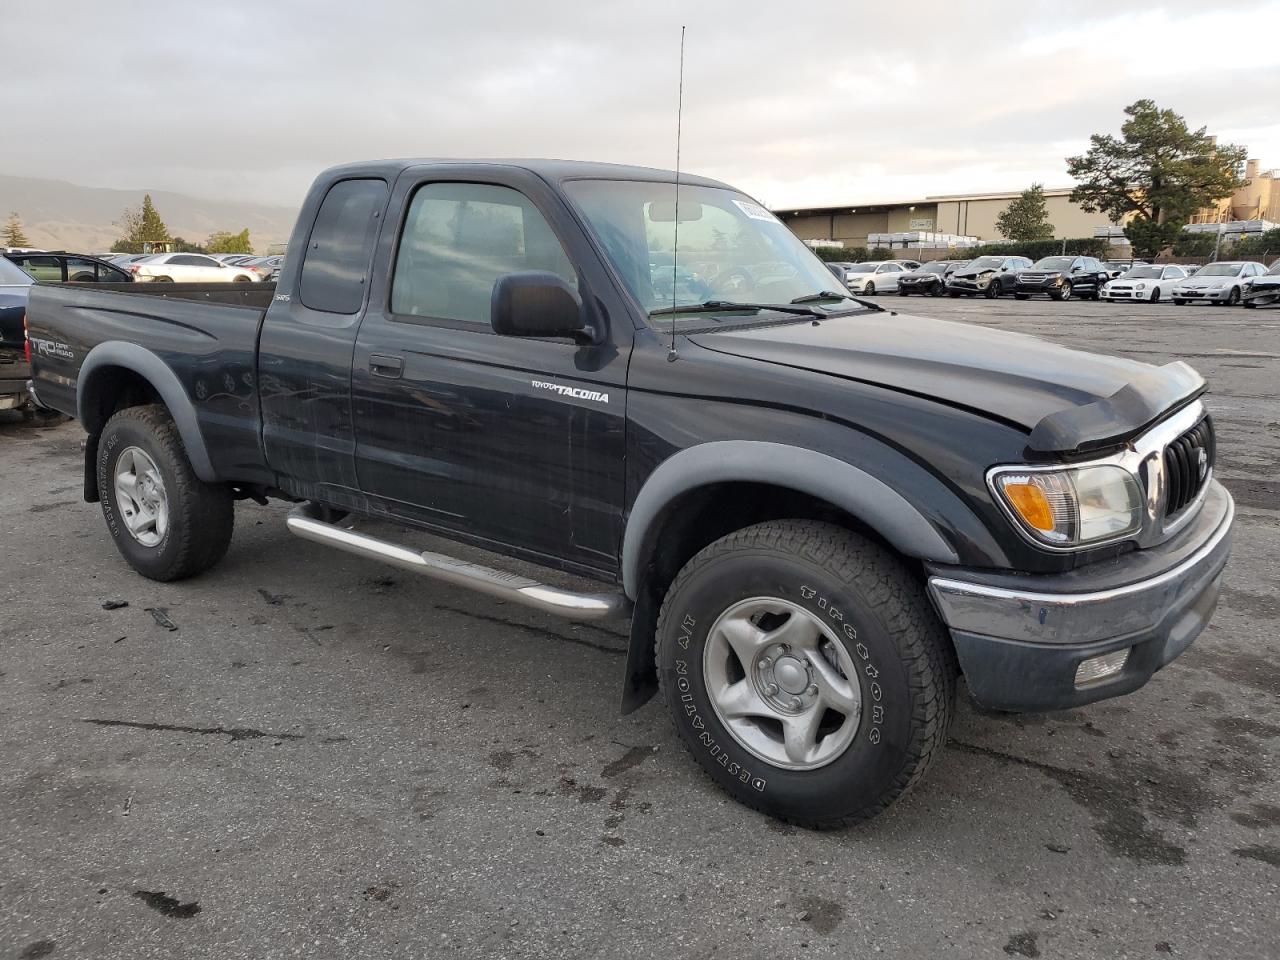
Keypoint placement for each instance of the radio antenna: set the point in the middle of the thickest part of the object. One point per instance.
(675, 239)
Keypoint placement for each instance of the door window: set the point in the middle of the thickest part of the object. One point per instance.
(81, 270)
(335, 266)
(44, 269)
(458, 239)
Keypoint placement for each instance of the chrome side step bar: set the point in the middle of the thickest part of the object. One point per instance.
(304, 521)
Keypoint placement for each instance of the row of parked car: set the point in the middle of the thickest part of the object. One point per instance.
(60, 267)
(1224, 282)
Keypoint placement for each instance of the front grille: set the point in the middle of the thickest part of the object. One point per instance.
(1188, 461)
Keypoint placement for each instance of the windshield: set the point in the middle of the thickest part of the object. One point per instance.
(864, 268)
(1054, 263)
(1219, 270)
(986, 263)
(11, 273)
(1143, 273)
(934, 266)
(1275, 270)
(731, 248)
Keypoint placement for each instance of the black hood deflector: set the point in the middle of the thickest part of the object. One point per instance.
(1131, 409)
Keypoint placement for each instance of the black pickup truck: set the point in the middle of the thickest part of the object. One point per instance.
(816, 512)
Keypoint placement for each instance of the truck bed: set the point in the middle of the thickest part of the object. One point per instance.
(205, 333)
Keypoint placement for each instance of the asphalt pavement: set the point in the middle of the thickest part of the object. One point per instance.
(302, 753)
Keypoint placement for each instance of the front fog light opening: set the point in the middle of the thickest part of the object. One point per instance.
(1104, 667)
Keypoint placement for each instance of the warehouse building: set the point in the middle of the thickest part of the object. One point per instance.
(974, 214)
(968, 215)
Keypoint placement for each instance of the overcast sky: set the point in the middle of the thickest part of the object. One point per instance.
(797, 103)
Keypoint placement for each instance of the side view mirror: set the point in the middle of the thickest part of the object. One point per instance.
(537, 303)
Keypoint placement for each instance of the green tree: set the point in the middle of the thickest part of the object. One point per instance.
(1193, 244)
(1026, 217)
(224, 242)
(186, 246)
(1258, 245)
(12, 235)
(151, 228)
(1158, 172)
(140, 225)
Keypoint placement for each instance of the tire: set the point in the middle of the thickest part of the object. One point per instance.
(870, 289)
(937, 290)
(992, 291)
(880, 643)
(1063, 293)
(1178, 302)
(1022, 296)
(198, 517)
(1233, 297)
(1155, 295)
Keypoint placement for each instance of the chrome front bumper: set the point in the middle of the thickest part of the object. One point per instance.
(1021, 639)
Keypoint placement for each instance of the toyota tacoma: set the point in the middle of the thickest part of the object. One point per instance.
(817, 514)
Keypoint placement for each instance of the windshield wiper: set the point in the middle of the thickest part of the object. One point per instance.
(823, 295)
(715, 306)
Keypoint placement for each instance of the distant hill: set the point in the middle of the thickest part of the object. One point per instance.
(64, 216)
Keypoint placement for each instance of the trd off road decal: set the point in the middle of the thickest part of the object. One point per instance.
(876, 715)
(685, 690)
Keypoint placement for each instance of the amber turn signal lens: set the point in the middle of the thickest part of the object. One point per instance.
(1032, 505)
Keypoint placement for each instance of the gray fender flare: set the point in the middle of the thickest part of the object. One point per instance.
(147, 365)
(807, 471)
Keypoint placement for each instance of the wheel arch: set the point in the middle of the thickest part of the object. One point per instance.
(705, 492)
(801, 471)
(117, 371)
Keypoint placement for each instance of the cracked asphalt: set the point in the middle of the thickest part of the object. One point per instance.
(305, 753)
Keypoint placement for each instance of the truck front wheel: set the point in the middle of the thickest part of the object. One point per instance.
(166, 522)
(806, 671)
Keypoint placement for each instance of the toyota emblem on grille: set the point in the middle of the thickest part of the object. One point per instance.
(1202, 461)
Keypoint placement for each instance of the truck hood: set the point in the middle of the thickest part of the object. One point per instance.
(1067, 400)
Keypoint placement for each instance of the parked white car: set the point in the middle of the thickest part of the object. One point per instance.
(188, 268)
(1219, 282)
(1145, 281)
(875, 276)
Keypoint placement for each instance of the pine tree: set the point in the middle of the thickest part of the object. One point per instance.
(1157, 174)
(12, 234)
(1026, 217)
(151, 228)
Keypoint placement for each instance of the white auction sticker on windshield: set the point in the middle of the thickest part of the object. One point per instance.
(754, 210)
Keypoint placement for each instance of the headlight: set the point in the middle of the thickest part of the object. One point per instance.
(1139, 286)
(1071, 507)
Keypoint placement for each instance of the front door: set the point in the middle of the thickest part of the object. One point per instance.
(514, 442)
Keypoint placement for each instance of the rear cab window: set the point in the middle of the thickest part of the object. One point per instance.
(335, 265)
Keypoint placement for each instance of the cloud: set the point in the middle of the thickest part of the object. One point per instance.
(799, 104)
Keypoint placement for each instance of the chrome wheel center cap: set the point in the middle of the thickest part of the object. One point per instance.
(791, 675)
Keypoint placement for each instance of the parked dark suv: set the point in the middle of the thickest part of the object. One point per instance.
(989, 276)
(1059, 278)
(930, 279)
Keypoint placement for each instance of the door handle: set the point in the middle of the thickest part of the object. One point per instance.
(390, 367)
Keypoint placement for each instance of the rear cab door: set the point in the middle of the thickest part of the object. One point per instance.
(512, 442)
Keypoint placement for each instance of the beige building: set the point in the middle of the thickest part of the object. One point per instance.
(966, 215)
(1258, 199)
(974, 214)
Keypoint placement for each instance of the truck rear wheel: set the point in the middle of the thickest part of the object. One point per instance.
(166, 522)
(806, 671)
